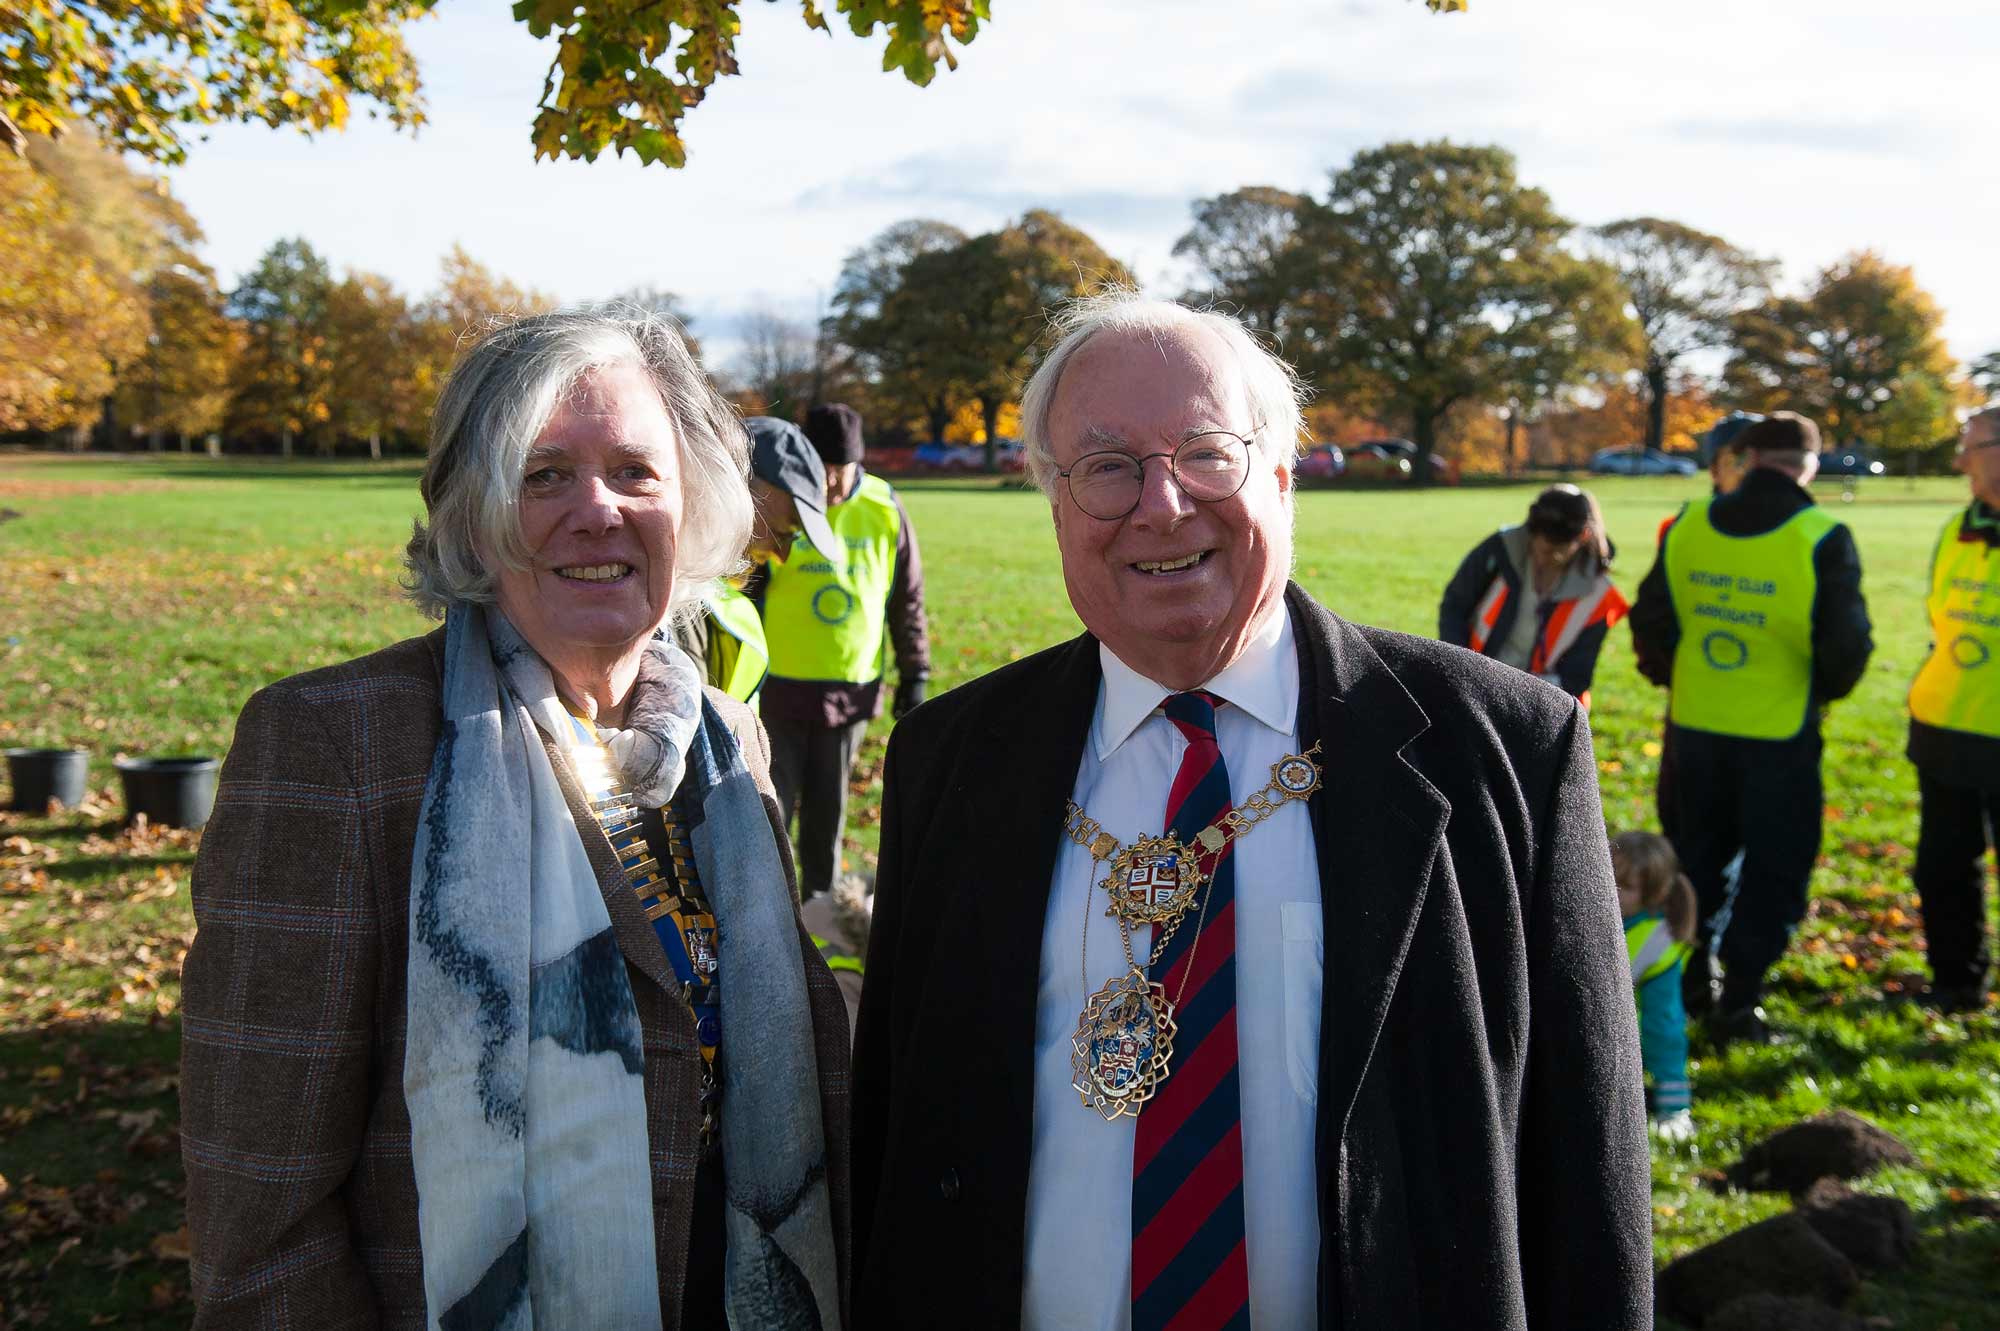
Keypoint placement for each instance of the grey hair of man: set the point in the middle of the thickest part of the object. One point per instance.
(496, 403)
(1276, 397)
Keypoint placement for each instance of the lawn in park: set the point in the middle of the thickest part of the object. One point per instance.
(144, 599)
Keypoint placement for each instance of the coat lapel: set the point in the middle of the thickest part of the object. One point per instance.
(1377, 824)
(1034, 745)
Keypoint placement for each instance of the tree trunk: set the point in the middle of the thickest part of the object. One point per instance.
(939, 416)
(184, 442)
(285, 442)
(1656, 406)
(1513, 436)
(374, 445)
(1425, 430)
(989, 416)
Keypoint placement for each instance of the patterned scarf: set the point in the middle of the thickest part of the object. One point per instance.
(523, 1071)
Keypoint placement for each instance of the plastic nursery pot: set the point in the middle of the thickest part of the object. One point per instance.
(41, 775)
(171, 792)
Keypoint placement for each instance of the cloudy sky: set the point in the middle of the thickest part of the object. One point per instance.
(1796, 128)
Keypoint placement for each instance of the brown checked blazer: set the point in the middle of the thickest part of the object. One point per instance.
(294, 1130)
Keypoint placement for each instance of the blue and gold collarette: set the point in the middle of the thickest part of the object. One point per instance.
(671, 896)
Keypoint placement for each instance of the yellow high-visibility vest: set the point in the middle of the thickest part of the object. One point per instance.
(1651, 949)
(825, 618)
(738, 659)
(1958, 687)
(1744, 663)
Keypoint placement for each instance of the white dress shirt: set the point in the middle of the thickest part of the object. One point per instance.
(1079, 1221)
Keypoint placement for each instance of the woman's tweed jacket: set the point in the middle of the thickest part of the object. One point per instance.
(293, 1127)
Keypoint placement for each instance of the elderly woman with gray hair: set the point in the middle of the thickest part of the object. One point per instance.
(500, 1013)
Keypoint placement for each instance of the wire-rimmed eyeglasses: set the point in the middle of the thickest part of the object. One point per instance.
(1209, 467)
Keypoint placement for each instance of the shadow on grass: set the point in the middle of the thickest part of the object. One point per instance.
(90, 1149)
(79, 868)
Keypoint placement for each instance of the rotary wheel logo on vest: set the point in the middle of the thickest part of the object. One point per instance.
(1724, 650)
(832, 605)
(1969, 652)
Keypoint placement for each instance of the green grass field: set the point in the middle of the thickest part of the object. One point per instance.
(144, 601)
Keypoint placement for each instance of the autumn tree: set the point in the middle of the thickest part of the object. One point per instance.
(371, 340)
(81, 235)
(896, 341)
(283, 377)
(623, 76)
(468, 298)
(1433, 273)
(179, 384)
(1583, 335)
(1862, 352)
(997, 291)
(1683, 288)
(143, 71)
(1242, 254)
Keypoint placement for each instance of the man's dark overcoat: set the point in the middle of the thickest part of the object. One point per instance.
(1482, 1156)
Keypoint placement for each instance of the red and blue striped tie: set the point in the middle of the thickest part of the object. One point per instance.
(1189, 1271)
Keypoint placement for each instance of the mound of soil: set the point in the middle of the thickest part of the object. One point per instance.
(1783, 1255)
(1835, 1145)
(1775, 1312)
(1878, 1233)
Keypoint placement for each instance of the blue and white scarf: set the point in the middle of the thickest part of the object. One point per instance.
(523, 1072)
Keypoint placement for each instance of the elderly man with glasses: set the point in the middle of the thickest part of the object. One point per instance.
(1955, 729)
(1107, 1072)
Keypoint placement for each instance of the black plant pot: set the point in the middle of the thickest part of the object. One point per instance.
(41, 775)
(174, 792)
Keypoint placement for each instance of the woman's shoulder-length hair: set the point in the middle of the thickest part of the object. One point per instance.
(496, 402)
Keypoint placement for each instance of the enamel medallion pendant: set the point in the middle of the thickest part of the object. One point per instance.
(1153, 879)
(1121, 1048)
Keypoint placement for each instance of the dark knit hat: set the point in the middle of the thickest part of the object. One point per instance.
(1780, 432)
(835, 430)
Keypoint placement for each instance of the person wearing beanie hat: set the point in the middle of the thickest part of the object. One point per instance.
(832, 619)
(1753, 619)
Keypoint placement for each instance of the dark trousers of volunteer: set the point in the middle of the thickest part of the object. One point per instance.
(1959, 824)
(1763, 798)
(809, 768)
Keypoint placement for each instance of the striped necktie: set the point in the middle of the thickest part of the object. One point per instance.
(1189, 1270)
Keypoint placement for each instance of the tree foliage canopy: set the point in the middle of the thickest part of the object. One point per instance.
(1683, 288)
(1436, 279)
(1862, 351)
(142, 71)
(624, 75)
(937, 319)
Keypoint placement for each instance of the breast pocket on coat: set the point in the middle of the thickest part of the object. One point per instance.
(1304, 925)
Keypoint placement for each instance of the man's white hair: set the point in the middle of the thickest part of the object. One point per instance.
(1276, 395)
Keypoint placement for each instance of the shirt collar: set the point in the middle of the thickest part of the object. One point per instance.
(1263, 682)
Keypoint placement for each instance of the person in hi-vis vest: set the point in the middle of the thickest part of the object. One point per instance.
(1752, 616)
(832, 620)
(1955, 729)
(788, 499)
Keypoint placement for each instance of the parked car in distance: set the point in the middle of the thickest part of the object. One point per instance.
(1009, 454)
(1853, 460)
(1375, 461)
(1637, 461)
(1321, 462)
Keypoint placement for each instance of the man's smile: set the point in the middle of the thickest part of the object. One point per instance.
(1160, 567)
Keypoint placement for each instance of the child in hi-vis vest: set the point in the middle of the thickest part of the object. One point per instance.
(1658, 904)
